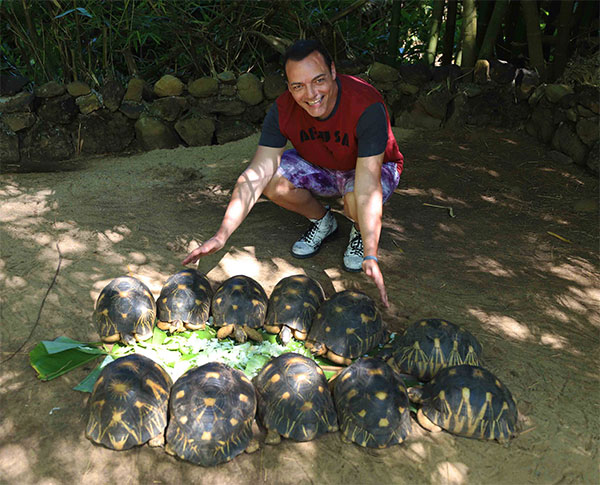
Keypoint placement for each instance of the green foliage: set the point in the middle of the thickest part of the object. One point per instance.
(53, 358)
(93, 39)
(176, 353)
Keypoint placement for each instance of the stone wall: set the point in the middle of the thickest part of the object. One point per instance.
(51, 123)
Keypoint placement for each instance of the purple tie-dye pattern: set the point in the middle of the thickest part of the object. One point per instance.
(330, 183)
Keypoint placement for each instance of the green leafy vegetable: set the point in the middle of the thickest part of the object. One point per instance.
(54, 358)
(176, 353)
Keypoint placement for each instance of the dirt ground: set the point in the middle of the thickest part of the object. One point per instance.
(517, 266)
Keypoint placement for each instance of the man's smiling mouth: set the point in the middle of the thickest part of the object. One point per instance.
(317, 101)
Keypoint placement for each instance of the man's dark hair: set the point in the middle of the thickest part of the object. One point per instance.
(303, 48)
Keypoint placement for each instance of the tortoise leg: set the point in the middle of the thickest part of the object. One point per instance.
(300, 335)
(194, 326)
(272, 437)
(272, 328)
(225, 331)
(157, 440)
(253, 446)
(165, 326)
(316, 348)
(285, 335)
(344, 438)
(253, 334)
(111, 339)
(426, 423)
(338, 359)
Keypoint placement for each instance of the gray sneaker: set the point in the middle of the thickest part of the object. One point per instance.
(353, 257)
(310, 242)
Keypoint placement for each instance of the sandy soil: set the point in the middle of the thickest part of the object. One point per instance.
(517, 266)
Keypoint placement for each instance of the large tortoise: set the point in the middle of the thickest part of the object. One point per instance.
(429, 345)
(125, 311)
(467, 401)
(129, 403)
(372, 404)
(294, 399)
(292, 306)
(212, 409)
(346, 326)
(239, 307)
(184, 302)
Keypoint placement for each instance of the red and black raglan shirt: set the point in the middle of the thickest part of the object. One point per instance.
(359, 126)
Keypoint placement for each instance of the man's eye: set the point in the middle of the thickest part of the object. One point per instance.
(320, 80)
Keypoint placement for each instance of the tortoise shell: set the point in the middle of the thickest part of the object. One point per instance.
(372, 404)
(240, 300)
(125, 310)
(293, 304)
(432, 344)
(184, 302)
(470, 401)
(348, 324)
(294, 399)
(129, 403)
(212, 408)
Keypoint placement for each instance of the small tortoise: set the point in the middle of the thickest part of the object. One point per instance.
(372, 404)
(129, 403)
(431, 344)
(292, 306)
(345, 327)
(184, 302)
(294, 400)
(212, 409)
(239, 307)
(468, 401)
(125, 311)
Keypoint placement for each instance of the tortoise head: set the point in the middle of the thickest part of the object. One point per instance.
(316, 348)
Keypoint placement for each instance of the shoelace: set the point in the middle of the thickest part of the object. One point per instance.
(356, 245)
(308, 235)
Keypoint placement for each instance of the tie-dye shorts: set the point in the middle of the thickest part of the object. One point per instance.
(326, 182)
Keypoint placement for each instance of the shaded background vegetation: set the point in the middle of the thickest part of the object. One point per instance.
(93, 39)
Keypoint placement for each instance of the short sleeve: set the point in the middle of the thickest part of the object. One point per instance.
(372, 131)
(271, 135)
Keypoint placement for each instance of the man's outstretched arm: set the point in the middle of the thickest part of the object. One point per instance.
(248, 188)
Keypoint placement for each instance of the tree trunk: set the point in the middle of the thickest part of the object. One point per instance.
(585, 12)
(491, 33)
(515, 35)
(484, 12)
(449, 34)
(562, 48)
(469, 34)
(550, 9)
(395, 29)
(434, 32)
(534, 36)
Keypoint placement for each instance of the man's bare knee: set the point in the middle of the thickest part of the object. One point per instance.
(350, 206)
(278, 188)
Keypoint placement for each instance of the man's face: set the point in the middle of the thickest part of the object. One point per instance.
(312, 84)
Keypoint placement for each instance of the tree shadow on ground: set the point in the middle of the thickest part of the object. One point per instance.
(517, 266)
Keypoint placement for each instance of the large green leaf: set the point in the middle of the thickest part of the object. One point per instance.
(54, 358)
(60, 344)
(87, 385)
